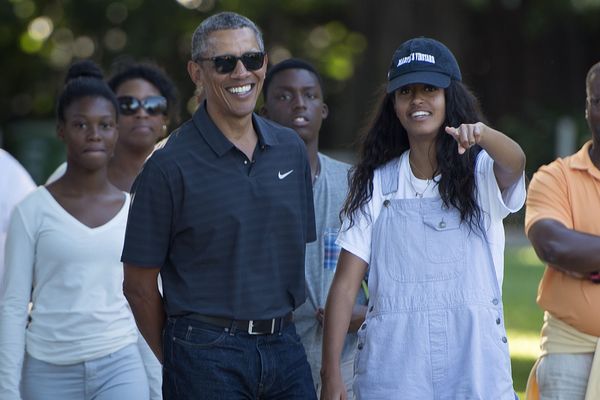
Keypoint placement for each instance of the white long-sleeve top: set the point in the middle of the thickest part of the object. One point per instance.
(15, 184)
(72, 275)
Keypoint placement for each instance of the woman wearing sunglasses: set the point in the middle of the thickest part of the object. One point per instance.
(148, 104)
(62, 255)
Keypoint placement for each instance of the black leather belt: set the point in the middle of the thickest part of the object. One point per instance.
(253, 326)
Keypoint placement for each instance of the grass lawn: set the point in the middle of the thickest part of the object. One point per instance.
(522, 274)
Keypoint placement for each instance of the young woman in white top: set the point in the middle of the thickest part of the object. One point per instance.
(62, 255)
(424, 214)
(148, 102)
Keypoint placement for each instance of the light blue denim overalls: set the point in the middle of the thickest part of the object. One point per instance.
(434, 326)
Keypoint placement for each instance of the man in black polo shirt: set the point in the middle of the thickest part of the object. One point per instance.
(223, 212)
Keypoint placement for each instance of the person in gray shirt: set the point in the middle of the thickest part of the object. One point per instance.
(293, 97)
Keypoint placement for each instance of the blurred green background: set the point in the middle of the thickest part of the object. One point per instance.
(525, 59)
(524, 318)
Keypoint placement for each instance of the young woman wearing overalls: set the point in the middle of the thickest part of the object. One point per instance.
(424, 214)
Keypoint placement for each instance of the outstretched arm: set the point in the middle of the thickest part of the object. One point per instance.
(509, 158)
(338, 312)
(140, 287)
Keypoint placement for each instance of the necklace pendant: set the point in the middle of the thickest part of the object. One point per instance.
(419, 195)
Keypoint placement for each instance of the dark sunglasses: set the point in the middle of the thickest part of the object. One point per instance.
(154, 105)
(225, 64)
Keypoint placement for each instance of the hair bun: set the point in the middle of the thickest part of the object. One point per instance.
(84, 69)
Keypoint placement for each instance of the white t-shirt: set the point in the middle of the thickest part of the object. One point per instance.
(15, 184)
(73, 276)
(495, 206)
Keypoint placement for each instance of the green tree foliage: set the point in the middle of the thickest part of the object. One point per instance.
(526, 59)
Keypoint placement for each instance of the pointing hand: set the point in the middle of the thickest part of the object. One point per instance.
(466, 135)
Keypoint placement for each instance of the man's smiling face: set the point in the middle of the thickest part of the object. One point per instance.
(232, 94)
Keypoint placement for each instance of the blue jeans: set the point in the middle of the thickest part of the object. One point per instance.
(117, 376)
(208, 362)
(564, 376)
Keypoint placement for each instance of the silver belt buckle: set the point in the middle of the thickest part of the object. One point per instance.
(251, 328)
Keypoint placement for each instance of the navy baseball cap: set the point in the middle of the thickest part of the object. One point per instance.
(422, 60)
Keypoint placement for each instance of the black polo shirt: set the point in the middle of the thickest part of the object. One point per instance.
(228, 233)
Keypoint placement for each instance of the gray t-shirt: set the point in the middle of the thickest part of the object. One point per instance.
(329, 192)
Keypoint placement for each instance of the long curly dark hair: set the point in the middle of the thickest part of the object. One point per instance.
(386, 139)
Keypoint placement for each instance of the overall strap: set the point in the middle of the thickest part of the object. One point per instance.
(390, 175)
(488, 248)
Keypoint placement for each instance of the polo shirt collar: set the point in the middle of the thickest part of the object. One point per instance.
(217, 140)
(582, 161)
(266, 135)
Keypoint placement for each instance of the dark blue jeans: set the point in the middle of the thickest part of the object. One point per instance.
(202, 361)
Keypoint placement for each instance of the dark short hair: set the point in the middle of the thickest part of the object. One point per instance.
(155, 76)
(84, 79)
(290, 63)
(219, 22)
